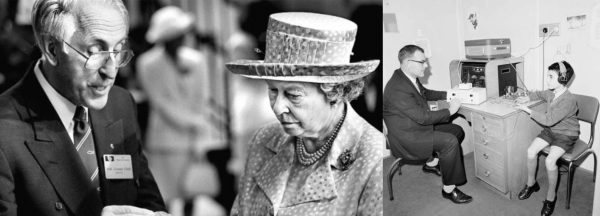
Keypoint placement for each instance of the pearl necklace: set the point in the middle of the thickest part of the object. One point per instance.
(308, 159)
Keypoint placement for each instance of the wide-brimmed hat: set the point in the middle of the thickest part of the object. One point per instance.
(167, 23)
(306, 47)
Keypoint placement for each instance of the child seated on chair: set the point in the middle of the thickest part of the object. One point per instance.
(560, 129)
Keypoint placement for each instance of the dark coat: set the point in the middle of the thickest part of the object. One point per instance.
(40, 170)
(407, 116)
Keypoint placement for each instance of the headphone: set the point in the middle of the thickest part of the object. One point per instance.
(562, 75)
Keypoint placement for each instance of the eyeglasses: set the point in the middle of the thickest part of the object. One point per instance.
(96, 60)
(420, 62)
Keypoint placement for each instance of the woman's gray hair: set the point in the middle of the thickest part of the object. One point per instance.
(345, 91)
(48, 16)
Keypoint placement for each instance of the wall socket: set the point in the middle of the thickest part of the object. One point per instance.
(553, 28)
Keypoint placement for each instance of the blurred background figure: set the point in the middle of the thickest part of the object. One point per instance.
(249, 105)
(175, 79)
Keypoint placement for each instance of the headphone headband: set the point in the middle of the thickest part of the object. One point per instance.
(561, 66)
(562, 76)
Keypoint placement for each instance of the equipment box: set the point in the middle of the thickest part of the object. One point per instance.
(487, 48)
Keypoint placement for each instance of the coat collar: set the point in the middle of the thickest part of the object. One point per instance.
(273, 177)
(566, 94)
(53, 149)
(400, 75)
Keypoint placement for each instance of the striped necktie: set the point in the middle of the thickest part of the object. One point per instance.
(84, 143)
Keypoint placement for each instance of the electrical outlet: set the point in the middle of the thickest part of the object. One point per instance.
(549, 29)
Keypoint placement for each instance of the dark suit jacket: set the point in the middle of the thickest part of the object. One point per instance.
(40, 170)
(408, 118)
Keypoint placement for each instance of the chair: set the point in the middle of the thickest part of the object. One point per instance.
(588, 111)
(398, 162)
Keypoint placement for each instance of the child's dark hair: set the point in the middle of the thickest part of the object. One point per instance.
(564, 77)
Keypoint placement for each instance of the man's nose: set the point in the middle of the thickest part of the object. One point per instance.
(110, 67)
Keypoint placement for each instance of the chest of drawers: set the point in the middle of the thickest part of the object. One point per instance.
(500, 142)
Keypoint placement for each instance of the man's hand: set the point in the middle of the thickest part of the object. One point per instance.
(123, 210)
(454, 105)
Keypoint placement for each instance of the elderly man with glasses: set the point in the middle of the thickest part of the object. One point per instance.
(69, 140)
(418, 132)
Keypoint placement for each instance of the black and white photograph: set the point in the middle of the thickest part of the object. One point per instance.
(490, 107)
(299, 107)
(191, 107)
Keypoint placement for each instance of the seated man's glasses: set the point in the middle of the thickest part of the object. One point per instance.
(96, 60)
(420, 62)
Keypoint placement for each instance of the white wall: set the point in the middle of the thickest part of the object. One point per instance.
(512, 19)
(438, 25)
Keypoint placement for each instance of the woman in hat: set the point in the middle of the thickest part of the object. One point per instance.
(321, 158)
(175, 78)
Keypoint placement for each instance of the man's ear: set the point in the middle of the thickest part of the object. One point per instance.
(50, 49)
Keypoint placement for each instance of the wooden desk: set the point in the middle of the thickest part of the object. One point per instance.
(501, 135)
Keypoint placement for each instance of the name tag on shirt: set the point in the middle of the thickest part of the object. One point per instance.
(118, 166)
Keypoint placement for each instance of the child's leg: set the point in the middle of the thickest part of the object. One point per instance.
(536, 146)
(555, 153)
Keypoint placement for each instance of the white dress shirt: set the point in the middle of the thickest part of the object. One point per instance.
(413, 80)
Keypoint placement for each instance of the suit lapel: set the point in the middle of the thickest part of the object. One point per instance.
(272, 178)
(407, 81)
(316, 187)
(108, 134)
(53, 150)
(108, 139)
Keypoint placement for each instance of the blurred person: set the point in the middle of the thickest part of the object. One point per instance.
(415, 130)
(66, 129)
(321, 158)
(249, 107)
(560, 130)
(175, 78)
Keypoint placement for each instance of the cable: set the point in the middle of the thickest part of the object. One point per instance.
(532, 48)
(513, 66)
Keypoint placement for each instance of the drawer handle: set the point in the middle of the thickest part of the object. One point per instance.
(487, 173)
(485, 142)
(483, 129)
(485, 155)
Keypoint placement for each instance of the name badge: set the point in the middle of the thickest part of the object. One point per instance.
(117, 166)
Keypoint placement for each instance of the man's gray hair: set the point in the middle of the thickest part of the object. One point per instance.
(48, 16)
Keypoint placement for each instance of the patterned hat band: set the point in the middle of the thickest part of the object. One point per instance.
(293, 49)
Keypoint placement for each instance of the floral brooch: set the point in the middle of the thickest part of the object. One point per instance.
(346, 159)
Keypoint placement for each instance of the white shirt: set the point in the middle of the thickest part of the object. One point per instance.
(63, 107)
(413, 80)
(558, 93)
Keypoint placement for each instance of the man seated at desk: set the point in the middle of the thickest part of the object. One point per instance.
(415, 130)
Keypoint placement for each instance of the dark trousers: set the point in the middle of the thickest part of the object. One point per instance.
(446, 143)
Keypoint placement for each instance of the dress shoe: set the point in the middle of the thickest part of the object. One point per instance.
(527, 191)
(548, 207)
(432, 169)
(457, 196)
